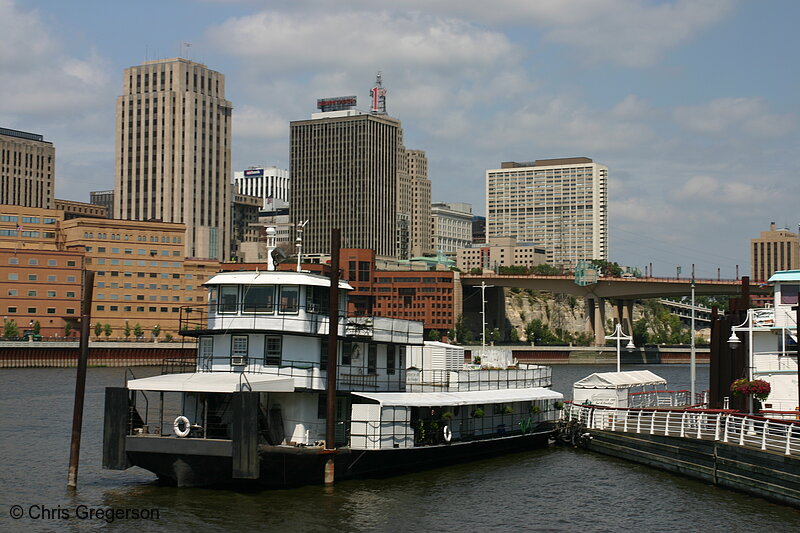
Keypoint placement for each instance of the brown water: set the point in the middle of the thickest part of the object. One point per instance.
(556, 489)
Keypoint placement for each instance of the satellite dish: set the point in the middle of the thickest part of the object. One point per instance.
(278, 256)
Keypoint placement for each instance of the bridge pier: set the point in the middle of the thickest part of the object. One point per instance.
(595, 319)
(624, 315)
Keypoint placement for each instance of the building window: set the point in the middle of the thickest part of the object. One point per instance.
(33, 277)
(31, 310)
(13, 260)
(71, 311)
(51, 310)
(12, 309)
(239, 349)
(32, 293)
(101, 307)
(323, 353)
(272, 351)
(33, 262)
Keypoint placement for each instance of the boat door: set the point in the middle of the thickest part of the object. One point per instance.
(342, 420)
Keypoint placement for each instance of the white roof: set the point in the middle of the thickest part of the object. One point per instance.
(273, 277)
(619, 380)
(214, 382)
(434, 399)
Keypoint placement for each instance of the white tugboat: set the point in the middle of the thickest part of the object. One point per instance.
(254, 410)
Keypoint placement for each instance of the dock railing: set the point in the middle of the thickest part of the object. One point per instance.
(771, 434)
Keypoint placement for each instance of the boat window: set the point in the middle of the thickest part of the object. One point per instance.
(401, 356)
(372, 359)
(317, 300)
(390, 359)
(259, 299)
(347, 352)
(206, 352)
(323, 354)
(272, 350)
(228, 298)
(789, 294)
(238, 348)
(290, 295)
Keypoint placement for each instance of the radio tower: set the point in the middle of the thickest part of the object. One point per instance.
(378, 94)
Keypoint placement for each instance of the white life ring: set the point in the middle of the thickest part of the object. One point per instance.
(447, 434)
(187, 426)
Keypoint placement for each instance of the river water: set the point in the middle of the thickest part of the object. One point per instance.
(555, 489)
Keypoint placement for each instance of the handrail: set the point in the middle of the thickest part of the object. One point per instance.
(705, 424)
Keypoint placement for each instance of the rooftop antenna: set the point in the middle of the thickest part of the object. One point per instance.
(187, 46)
(378, 94)
(299, 241)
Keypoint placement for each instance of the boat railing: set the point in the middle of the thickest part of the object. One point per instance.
(661, 398)
(771, 434)
(432, 380)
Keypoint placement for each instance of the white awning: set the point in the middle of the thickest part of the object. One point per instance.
(435, 399)
(619, 380)
(214, 382)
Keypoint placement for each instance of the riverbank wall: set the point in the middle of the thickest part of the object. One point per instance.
(770, 475)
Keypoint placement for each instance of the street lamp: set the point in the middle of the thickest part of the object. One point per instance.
(620, 336)
(734, 343)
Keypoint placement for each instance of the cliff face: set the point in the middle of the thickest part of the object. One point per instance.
(566, 313)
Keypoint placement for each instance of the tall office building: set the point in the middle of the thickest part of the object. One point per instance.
(174, 151)
(774, 250)
(417, 168)
(348, 172)
(451, 226)
(271, 184)
(558, 204)
(27, 169)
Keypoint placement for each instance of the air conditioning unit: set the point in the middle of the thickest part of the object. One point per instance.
(313, 308)
(238, 360)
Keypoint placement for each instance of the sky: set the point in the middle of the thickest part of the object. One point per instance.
(692, 104)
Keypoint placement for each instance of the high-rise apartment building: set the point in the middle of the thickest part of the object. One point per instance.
(420, 231)
(174, 150)
(559, 204)
(348, 172)
(774, 250)
(271, 184)
(451, 226)
(27, 169)
(105, 199)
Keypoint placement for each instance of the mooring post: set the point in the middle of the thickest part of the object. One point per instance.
(333, 343)
(80, 380)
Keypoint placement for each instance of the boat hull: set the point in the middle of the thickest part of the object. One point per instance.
(284, 466)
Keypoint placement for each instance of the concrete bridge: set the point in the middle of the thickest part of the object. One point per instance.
(623, 291)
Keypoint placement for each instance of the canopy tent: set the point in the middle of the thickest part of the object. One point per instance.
(214, 382)
(619, 380)
(436, 399)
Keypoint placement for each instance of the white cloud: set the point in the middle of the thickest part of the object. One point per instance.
(290, 42)
(708, 190)
(631, 33)
(733, 117)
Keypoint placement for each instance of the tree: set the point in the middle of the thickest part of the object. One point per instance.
(434, 335)
(537, 332)
(156, 331)
(514, 335)
(107, 330)
(67, 328)
(494, 335)
(168, 337)
(476, 271)
(37, 327)
(138, 332)
(10, 329)
(98, 329)
(607, 268)
(513, 270)
(126, 330)
(546, 270)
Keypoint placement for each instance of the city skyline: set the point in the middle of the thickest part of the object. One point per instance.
(690, 104)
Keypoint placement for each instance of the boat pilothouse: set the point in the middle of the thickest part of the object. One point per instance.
(255, 406)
